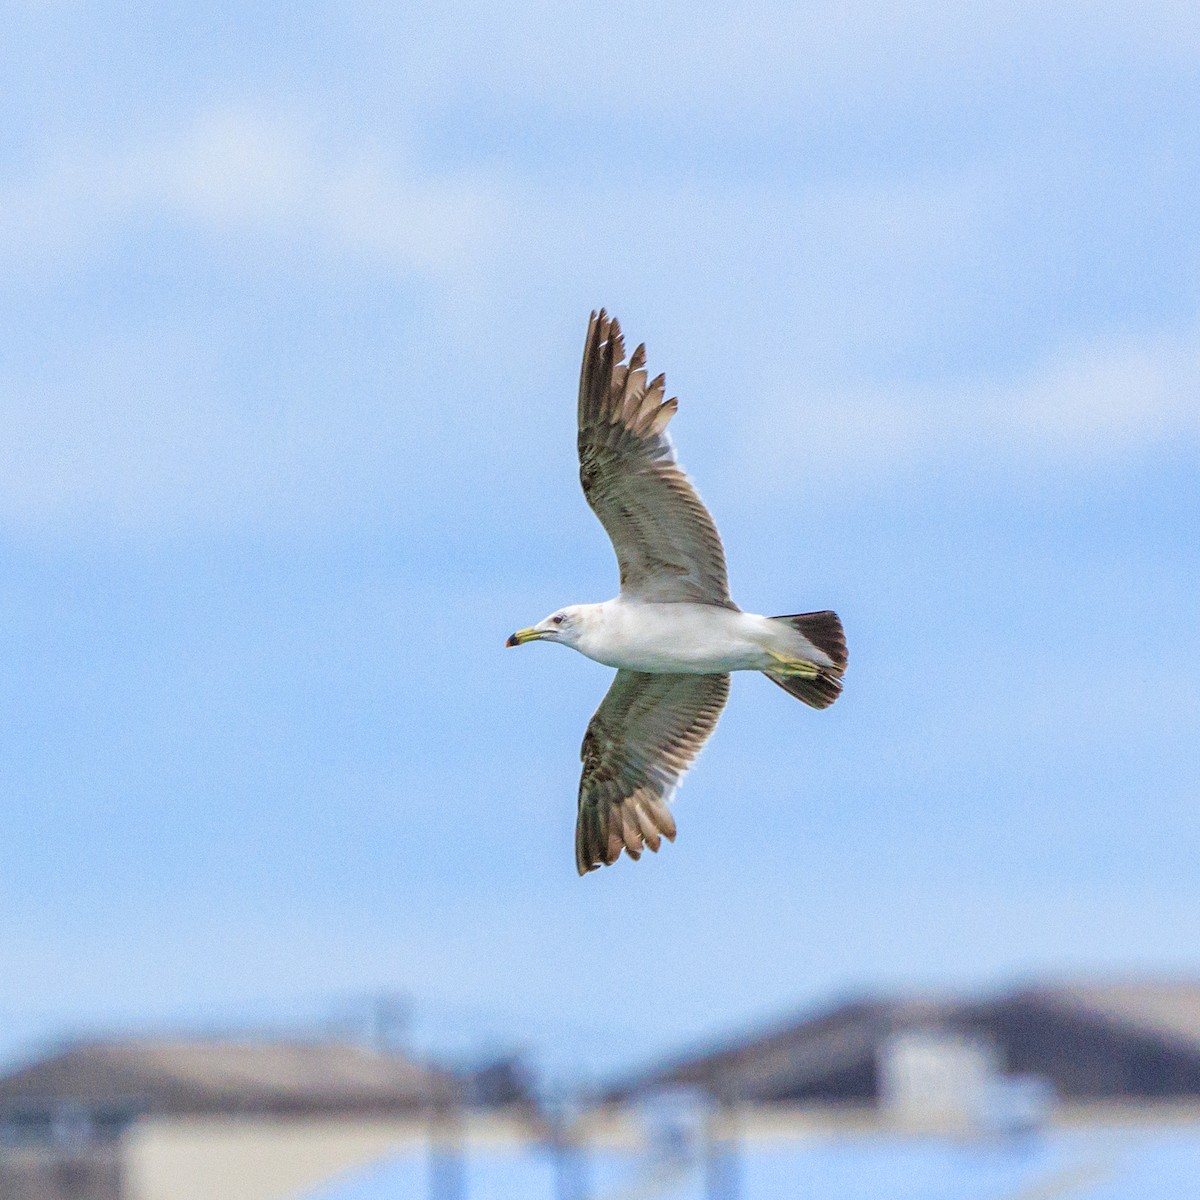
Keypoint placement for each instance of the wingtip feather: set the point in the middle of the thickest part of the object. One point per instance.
(662, 416)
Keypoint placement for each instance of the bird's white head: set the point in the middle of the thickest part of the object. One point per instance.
(564, 625)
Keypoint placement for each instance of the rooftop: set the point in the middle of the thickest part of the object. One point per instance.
(226, 1076)
(1091, 1041)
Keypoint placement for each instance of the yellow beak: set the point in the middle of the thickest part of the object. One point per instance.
(522, 636)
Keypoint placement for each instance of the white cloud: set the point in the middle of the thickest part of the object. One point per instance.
(1107, 400)
(1094, 405)
(234, 175)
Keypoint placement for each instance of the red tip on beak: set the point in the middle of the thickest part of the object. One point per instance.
(512, 641)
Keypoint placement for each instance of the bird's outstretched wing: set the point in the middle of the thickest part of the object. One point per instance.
(667, 546)
(638, 745)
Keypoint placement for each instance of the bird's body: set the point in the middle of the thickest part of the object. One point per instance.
(674, 633)
(687, 639)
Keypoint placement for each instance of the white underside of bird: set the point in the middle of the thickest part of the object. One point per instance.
(686, 639)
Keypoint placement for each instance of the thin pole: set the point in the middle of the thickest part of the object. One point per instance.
(570, 1162)
(447, 1162)
(570, 1176)
(722, 1174)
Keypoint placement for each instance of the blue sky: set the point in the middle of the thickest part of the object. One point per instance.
(291, 305)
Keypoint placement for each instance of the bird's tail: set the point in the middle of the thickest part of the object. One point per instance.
(817, 680)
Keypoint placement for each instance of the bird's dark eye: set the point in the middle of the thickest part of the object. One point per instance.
(558, 619)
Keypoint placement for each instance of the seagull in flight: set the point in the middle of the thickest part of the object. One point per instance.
(674, 634)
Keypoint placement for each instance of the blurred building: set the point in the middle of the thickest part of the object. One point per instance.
(274, 1120)
(228, 1119)
(1087, 1051)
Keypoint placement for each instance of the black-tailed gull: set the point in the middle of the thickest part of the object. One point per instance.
(673, 633)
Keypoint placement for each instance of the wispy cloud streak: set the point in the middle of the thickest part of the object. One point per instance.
(234, 174)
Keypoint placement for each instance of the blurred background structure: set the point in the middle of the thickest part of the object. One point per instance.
(236, 1118)
(938, 1062)
(1048, 1091)
(292, 299)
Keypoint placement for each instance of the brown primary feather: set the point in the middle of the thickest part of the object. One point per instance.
(640, 741)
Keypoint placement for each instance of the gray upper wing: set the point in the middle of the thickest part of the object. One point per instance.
(667, 546)
(638, 745)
